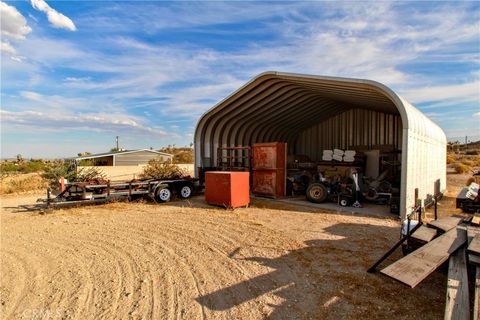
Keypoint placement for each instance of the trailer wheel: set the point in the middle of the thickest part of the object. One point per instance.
(163, 194)
(317, 192)
(186, 192)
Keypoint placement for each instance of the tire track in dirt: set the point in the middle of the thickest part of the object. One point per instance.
(177, 238)
(224, 255)
(15, 279)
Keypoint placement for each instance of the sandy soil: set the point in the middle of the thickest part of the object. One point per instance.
(186, 260)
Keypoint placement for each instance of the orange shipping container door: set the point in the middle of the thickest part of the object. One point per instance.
(269, 169)
(227, 189)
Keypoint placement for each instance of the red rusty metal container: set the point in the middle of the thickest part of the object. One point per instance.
(269, 169)
(227, 189)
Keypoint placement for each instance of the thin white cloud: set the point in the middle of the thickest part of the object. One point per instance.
(55, 18)
(469, 91)
(13, 24)
(476, 114)
(7, 48)
(14, 28)
(182, 80)
(79, 122)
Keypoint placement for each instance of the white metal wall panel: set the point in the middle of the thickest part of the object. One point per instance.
(137, 158)
(424, 161)
(349, 130)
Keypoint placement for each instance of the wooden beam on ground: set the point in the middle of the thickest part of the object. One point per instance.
(474, 246)
(476, 302)
(425, 234)
(474, 259)
(415, 267)
(476, 219)
(445, 224)
(472, 231)
(457, 306)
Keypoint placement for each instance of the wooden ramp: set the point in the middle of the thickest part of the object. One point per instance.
(415, 267)
(445, 224)
(474, 246)
(457, 306)
(425, 234)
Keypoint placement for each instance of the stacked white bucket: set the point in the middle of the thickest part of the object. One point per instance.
(339, 155)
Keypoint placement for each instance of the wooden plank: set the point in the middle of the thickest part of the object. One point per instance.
(476, 302)
(425, 234)
(474, 259)
(474, 246)
(445, 224)
(472, 232)
(457, 306)
(476, 219)
(415, 267)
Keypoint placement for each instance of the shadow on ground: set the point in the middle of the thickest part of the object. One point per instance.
(328, 279)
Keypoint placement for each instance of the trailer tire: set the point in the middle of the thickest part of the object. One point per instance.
(317, 192)
(185, 192)
(163, 194)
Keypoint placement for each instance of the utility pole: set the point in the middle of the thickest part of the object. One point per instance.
(116, 141)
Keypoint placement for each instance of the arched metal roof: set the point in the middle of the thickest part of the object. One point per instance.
(276, 106)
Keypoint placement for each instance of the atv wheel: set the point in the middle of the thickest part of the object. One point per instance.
(317, 192)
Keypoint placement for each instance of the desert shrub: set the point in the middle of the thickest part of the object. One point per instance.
(89, 174)
(450, 159)
(180, 155)
(157, 169)
(472, 152)
(461, 168)
(467, 162)
(476, 161)
(58, 169)
(9, 167)
(183, 157)
(22, 183)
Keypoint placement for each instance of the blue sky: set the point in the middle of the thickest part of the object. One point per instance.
(74, 74)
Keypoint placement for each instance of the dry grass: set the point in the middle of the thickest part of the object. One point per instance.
(22, 183)
(461, 168)
(463, 163)
(450, 159)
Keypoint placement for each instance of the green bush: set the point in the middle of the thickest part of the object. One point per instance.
(9, 167)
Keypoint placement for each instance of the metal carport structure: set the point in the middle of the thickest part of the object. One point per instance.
(312, 113)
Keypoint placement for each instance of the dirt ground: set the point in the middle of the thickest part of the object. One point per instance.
(187, 260)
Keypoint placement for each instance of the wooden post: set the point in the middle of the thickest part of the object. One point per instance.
(62, 184)
(48, 197)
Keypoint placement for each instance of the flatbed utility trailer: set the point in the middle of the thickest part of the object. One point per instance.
(83, 193)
